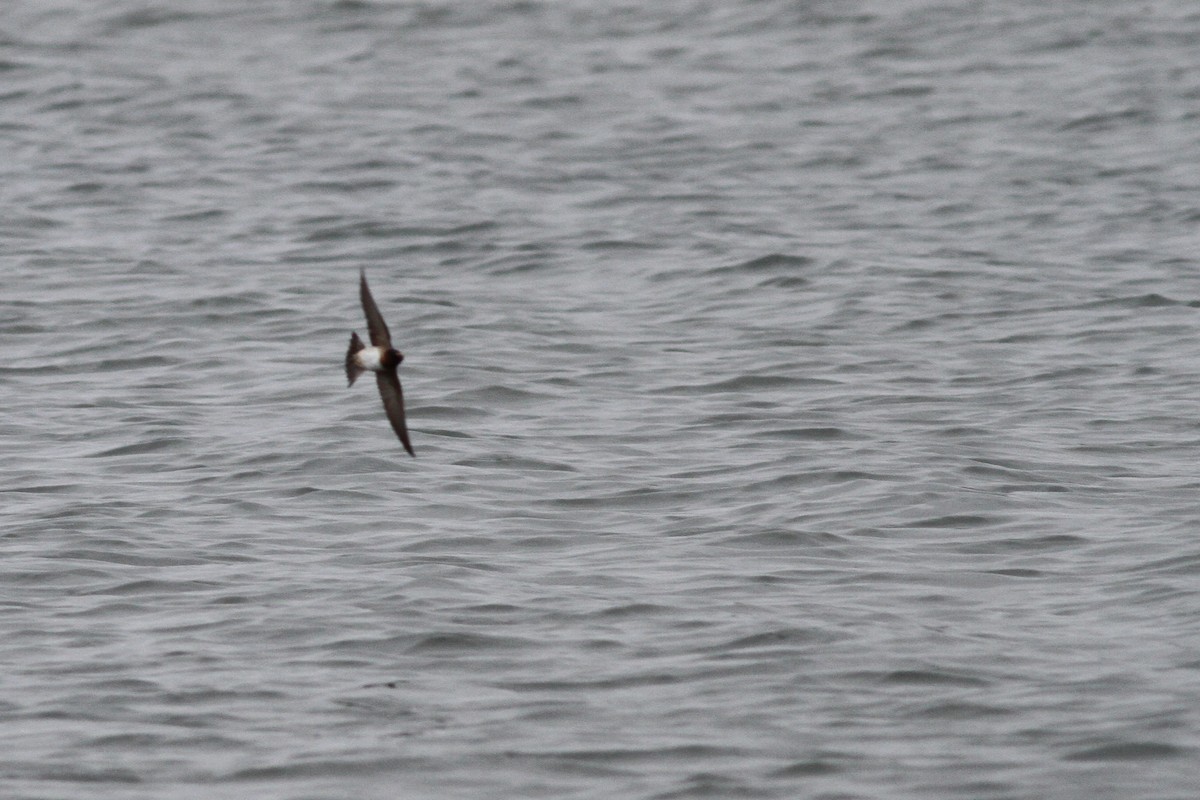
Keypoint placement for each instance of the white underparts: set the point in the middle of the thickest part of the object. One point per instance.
(368, 358)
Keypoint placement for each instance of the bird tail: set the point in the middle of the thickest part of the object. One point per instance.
(353, 370)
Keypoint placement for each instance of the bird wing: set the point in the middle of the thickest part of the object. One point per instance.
(393, 403)
(375, 324)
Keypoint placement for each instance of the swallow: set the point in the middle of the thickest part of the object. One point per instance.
(380, 358)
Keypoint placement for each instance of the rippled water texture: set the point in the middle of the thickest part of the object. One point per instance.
(804, 395)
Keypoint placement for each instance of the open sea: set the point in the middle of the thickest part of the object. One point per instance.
(806, 400)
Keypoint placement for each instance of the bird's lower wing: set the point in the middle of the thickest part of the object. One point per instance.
(393, 404)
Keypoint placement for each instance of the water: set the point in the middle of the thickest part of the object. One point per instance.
(804, 394)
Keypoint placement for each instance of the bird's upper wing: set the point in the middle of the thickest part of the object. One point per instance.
(393, 403)
(375, 324)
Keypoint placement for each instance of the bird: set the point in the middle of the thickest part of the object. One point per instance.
(380, 358)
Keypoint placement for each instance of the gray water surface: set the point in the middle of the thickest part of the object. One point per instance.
(805, 400)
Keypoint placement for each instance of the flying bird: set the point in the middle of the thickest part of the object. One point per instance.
(380, 358)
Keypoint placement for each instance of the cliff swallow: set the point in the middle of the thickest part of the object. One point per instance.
(380, 358)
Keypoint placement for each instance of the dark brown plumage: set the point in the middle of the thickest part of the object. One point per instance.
(382, 359)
